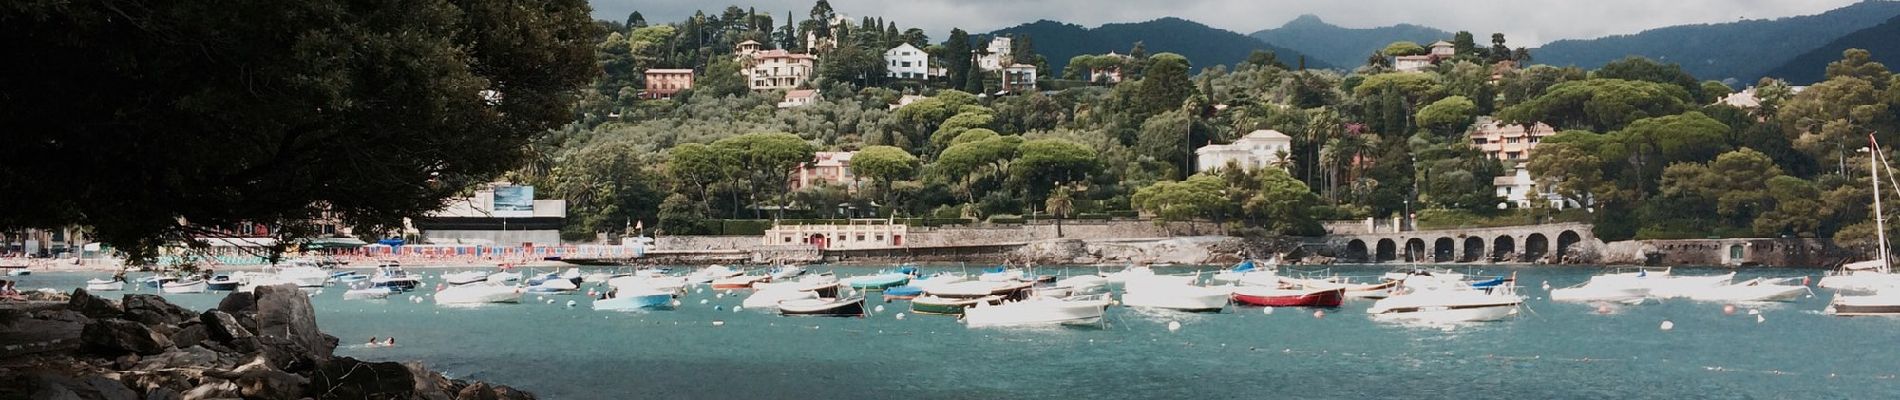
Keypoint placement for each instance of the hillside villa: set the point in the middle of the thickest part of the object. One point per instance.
(826, 167)
(906, 62)
(779, 69)
(664, 83)
(1260, 149)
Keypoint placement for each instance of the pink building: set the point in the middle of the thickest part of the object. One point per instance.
(826, 167)
(1510, 142)
(664, 83)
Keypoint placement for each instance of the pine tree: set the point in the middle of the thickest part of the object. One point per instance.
(788, 36)
(636, 21)
(956, 57)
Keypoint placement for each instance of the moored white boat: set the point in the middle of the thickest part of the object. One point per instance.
(711, 273)
(1448, 305)
(1178, 297)
(784, 272)
(1666, 286)
(1861, 280)
(638, 299)
(465, 277)
(1080, 310)
(1083, 283)
(1243, 270)
(303, 276)
(1753, 290)
(1131, 272)
(478, 294)
(369, 293)
(845, 307)
(104, 285)
(193, 285)
(1592, 293)
(739, 282)
(1002, 274)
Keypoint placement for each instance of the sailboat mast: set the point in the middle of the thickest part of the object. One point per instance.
(1880, 214)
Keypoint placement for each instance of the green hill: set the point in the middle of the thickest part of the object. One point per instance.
(1201, 44)
(1342, 46)
(1742, 51)
(1883, 41)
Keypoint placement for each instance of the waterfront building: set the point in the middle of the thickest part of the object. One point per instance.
(664, 83)
(497, 214)
(779, 69)
(1509, 142)
(1260, 149)
(1519, 190)
(826, 167)
(854, 234)
(906, 62)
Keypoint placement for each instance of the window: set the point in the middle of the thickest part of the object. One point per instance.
(1534, 139)
(788, 239)
(1477, 141)
(906, 64)
(860, 237)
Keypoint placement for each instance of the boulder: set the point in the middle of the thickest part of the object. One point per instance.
(222, 326)
(163, 394)
(284, 311)
(431, 385)
(237, 302)
(196, 357)
(62, 316)
(257, 380)
(189, 335)
(482, 391)
(220, 389)
(109, 389)
(349, 378)
(154, 310)
(281, 352)
(92, 306)
(117, 336)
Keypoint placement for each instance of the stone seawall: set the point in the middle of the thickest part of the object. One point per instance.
(1810, 253)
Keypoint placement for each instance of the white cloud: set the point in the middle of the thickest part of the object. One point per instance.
(1524, 22)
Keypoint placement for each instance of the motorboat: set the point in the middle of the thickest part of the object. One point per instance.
(1353, 290)
(303, 275)
(1885, 302)
(784, 272)
(1874, 275)
(836, 307)
(768, 299)
(573, 275)
(158, 281)
(1177, 297)
(877, 281)
(225, 282)
(1753, 290)
(1038, 311)
(637, 299)
(554, 286)
(1273, 297)
(1129, 273)
(1245, 269)
(465, 277)
(393, 276)
(1002, 274)
(928, 304)
(1597, 293)
(504, 277)
(348, 277)
(1448, 305)
(739, 282)
(1083, 283)
(369, 293)
(193, 285)
(1665, 286)
(478, 294)
(1135, 283)
(1863, 276)
(17, 270)
(939, 279)
(712, 273)
(104, 285)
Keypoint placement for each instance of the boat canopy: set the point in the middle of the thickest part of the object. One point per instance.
(1243, 266)
(995, 269)
(1493, 282)
(907, 270)
(333, 243)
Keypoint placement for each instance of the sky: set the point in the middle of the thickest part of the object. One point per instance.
(1524, 22)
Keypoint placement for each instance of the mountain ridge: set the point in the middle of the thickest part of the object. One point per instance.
(1203, 45)
(1343, 46)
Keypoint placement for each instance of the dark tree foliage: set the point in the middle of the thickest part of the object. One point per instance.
(134, 116)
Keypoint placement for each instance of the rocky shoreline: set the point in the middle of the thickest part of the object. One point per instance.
(260, 345)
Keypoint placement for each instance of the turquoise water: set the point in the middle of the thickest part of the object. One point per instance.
(1552, 350)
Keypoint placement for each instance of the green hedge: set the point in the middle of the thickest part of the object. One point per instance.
(1124, 214)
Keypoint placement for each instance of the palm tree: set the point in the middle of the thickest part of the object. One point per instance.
(1059, 205)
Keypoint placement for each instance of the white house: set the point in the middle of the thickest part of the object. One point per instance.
(779, 69)
(1521, 191)
(906, 62)
(798, 98)
(1260, 149)
(996, 56)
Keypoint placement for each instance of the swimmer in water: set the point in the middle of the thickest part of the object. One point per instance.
(372, 341)
(391, 342)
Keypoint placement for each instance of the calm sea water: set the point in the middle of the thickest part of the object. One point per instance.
(1552, 350)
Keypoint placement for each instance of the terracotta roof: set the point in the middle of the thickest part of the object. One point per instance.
(781, 53)
(801, 93)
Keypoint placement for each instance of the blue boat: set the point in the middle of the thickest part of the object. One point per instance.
(642, 300)
(903, 292)
(879, 281)
(1487, 284)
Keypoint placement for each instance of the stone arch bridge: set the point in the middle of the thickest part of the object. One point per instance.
(1550, 243)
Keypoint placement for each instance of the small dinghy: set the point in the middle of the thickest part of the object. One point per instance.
(830, 307)
(905, 292)
(185, 286)
(104, 285)
(712, 273)
(1002, 274)
(1244, 269)
(158, 281)
(1601, 293)
(1177, 297)
(1269, 297)
(1083, 283)
(784, 272)
(637, 299)
(348, 277)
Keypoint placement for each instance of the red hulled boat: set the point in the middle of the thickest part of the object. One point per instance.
(1270, 297)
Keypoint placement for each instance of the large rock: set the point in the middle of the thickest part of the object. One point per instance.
(285, 312)
(222, 326)
(189, 335)
(92, 306)
(154, 310)
(349, 378)
(117, 336)
(482, 391)
(188, 357)
(257, 380)
(237, 302)
(431, 385)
